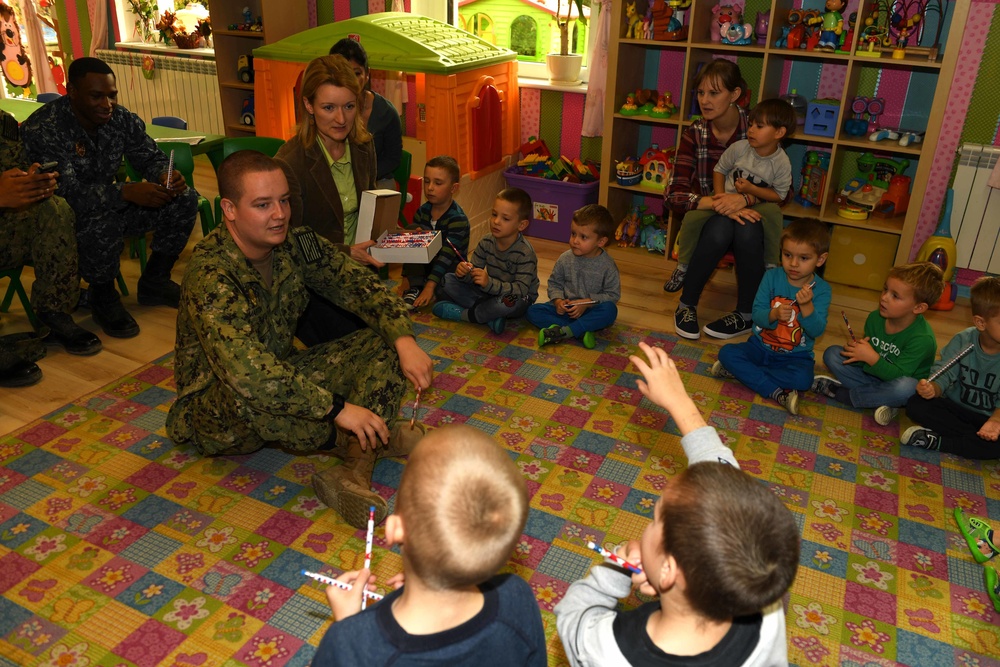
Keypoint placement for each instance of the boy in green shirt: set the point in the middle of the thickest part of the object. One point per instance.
(881, 370)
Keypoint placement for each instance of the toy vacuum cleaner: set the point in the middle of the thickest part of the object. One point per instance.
(940, 249)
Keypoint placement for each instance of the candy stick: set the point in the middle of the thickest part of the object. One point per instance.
(368, 546)
(416, 405)
(322, 578)
(170, 168)
(811, 285)
(951, 362)
(617, 560)
(849, 329)
(460, 258)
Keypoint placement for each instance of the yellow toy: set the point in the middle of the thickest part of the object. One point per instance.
(940, 248)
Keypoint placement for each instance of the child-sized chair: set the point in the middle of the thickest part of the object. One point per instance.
(17, 288)
(184, 163)
(173, 122)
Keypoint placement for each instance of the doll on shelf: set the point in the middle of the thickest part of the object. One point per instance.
(630, 108)
(832, 25)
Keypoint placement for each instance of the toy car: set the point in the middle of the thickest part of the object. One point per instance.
(247, 114)
(244, 69)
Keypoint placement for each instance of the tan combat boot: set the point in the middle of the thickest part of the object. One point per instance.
(402, 440)
(346, 488)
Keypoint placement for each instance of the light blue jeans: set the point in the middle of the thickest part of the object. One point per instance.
(867, 391)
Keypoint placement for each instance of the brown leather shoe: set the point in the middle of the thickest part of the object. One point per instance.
(402, 440)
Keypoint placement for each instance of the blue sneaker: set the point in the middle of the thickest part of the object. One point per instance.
(447, 310)
(498, 325)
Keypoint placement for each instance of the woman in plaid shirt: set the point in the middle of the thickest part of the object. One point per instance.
(718, 85)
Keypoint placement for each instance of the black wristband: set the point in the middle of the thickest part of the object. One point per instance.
(338, 405)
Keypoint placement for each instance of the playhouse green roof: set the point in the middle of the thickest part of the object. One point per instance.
(394, 41)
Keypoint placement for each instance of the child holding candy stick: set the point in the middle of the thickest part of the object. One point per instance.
(720, 552)
(957, 408)
(461, 506)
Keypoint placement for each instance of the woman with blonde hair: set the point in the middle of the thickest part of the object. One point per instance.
(328, 163)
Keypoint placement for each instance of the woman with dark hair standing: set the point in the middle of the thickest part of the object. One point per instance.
(718, 86)
(377, 113)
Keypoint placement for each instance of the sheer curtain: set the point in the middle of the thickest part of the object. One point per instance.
(98, 24)
(593, 110)
(44, 83)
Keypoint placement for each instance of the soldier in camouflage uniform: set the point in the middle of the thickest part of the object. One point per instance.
(37, 227)
(87, 133)
(242, 385)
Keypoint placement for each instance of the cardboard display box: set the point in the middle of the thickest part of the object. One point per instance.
(378, 212)
(417, 248)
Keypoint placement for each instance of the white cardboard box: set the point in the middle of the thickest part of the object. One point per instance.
(378, 212)
(418, 254)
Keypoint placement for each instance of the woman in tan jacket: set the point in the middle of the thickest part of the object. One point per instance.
(328, 163)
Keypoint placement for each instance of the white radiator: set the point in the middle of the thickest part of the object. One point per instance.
(975, 216)
(181, 87)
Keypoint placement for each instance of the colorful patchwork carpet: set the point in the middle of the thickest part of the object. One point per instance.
(117, 548)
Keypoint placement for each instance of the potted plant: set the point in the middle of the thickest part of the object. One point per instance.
(564, 67)
(145, 19)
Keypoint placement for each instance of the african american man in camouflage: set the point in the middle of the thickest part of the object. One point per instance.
(37, 227)
(87, 133)
(241, 383)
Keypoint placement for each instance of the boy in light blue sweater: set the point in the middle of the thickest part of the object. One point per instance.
(789, 313)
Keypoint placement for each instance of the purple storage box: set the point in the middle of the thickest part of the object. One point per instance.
(553, 203)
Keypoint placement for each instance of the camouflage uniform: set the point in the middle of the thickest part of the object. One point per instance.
(41, 233)
(88, 166)
(240, 382)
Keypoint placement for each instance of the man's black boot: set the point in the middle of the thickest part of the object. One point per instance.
(155, 286)
(64, 331)
(108, 311)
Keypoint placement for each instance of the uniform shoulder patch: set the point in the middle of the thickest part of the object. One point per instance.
(308, 244)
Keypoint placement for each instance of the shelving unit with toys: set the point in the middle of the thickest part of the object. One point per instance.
(869, 82)
(235, 36)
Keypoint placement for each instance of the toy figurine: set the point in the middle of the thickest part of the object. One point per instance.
(645, 99)
(634, 11)
(833, 25)
(630, 108)
(730, 13)
(738, 34)
(628, 172)
(652, 236)
(848, 37)
(627, 233)
(664, 106)
(762, 25)
(664, 26)
(247, 16)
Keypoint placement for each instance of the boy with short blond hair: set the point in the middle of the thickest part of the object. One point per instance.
(720, 553)
(584, 286)
(789, 313)
(440, 212)
(959, 412)
(500, 280)
(881, 369)
(460, 509)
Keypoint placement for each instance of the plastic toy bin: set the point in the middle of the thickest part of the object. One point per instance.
(553, 203)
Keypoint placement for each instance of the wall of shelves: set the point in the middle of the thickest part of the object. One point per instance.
(278, 23)
(915, 89)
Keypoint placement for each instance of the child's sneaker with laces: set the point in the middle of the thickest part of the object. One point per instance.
(825, 386)
(719, 371)
(447, 310)
(676, 281)
(409, 296)
(884, 414)
(918, 436)
(551, 334)
(788, 399)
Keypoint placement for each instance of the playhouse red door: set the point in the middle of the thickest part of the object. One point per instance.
(486, 129)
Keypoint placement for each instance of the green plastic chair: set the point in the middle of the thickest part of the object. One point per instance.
(402, 178)
(17, 288)
(267, 145)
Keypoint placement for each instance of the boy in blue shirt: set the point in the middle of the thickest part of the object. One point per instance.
(461, 507)
(439, 213)
(789, 312)
(583, 274)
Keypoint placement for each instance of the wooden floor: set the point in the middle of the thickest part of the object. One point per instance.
(643, 304)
